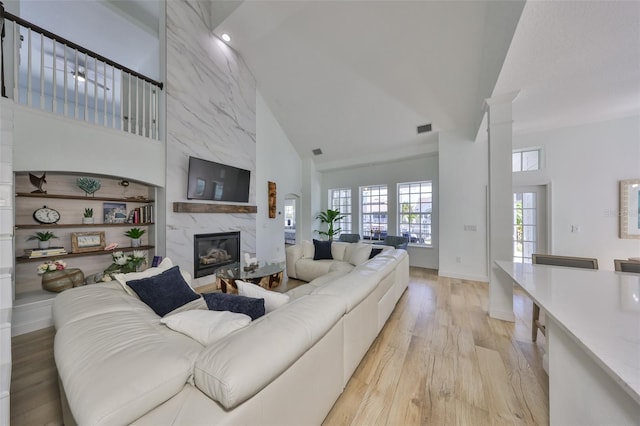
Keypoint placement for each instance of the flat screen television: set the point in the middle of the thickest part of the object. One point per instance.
(219, 182)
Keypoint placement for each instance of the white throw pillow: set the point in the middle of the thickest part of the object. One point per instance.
(149, 272)
(206, 327)
(308, 249)
(272, 299)
(360, 254)
(338, 250)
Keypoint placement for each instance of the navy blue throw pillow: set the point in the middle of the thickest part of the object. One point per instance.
(375, 252)
(235, 303)
(164, 292)
(322, 250)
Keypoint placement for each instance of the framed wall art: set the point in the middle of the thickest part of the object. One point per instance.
(87, 241)
(114, 212)
(630, 208)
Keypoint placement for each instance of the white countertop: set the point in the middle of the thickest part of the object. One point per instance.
(600, 310)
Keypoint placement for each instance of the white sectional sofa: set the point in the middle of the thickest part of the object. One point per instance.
(118, 364)
(344, 257)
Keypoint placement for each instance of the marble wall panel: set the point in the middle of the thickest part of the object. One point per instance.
(211, 114)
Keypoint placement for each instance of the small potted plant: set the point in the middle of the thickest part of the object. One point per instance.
(135, 234)
(43, 239)
(88, 216)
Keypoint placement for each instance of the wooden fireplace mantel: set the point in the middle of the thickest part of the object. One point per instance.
(213, 208)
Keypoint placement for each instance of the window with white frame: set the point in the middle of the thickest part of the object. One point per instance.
(415, 205)
(340, 199)
(525, 160)
(373, 212)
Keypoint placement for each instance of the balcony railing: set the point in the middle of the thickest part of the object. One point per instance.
(48, 72)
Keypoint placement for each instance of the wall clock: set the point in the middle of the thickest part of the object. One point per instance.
(46, 215)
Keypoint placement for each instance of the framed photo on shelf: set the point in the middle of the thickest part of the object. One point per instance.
(115, 212)
(87, 241)
(630, 208)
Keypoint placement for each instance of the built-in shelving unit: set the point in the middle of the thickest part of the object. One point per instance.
(32, 305)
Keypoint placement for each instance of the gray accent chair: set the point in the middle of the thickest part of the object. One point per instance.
(396, 241)
(349, 238)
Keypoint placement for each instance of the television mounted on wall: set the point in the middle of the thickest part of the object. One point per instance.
(209, 180)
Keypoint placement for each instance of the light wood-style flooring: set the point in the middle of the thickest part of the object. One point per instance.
(439, 360)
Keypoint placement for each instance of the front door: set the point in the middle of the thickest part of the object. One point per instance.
(529, 222)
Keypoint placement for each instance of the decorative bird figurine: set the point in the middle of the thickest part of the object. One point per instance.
(38, 182)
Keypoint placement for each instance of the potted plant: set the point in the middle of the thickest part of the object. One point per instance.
(43, 239)
(135, 234)
(88, 215)
(330, 216)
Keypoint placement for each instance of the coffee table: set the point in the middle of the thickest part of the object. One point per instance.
(266, 276)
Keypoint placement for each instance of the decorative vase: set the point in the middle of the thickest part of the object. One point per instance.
(57, 281)
(136, 242)
(87, 220)
(44, 244)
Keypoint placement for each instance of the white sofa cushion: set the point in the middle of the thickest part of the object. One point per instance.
(272, 300)
(116, 366)
(360, 254)
(308, 250)
(338, 250)
(206, 327)
(239, 366)
(79, 303)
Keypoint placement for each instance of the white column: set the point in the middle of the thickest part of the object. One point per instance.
(500, 209)
(310, 201)
(6, 253)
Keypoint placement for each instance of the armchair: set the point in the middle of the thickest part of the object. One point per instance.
(396, 241)
(349, 238)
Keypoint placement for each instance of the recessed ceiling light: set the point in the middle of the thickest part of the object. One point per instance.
(226, 37)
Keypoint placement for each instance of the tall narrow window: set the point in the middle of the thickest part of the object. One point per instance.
(525, 161)
(415, 204)
(524, 226)
(340, 199)
(373, 208)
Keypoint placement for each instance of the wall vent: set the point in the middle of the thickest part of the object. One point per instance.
(424, 128)
(317, 151)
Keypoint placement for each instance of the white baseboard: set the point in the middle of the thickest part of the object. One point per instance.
(502, 315)
(450, 274)
(31, 317)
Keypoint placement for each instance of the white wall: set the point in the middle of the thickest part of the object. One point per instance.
(50, 142)
(463, 201)
(584, 165)
(277, 161)
(390, 173)
(211, 101)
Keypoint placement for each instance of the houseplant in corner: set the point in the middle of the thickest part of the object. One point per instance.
(135, 234)
(330, 217)
(88, 216)
(43, 239)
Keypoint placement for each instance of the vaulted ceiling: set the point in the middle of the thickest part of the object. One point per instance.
(355, 78)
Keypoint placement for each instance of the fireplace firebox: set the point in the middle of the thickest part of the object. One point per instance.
(212, 251)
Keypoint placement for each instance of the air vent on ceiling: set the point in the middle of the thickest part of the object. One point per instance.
(317, 151)
(424, 128)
